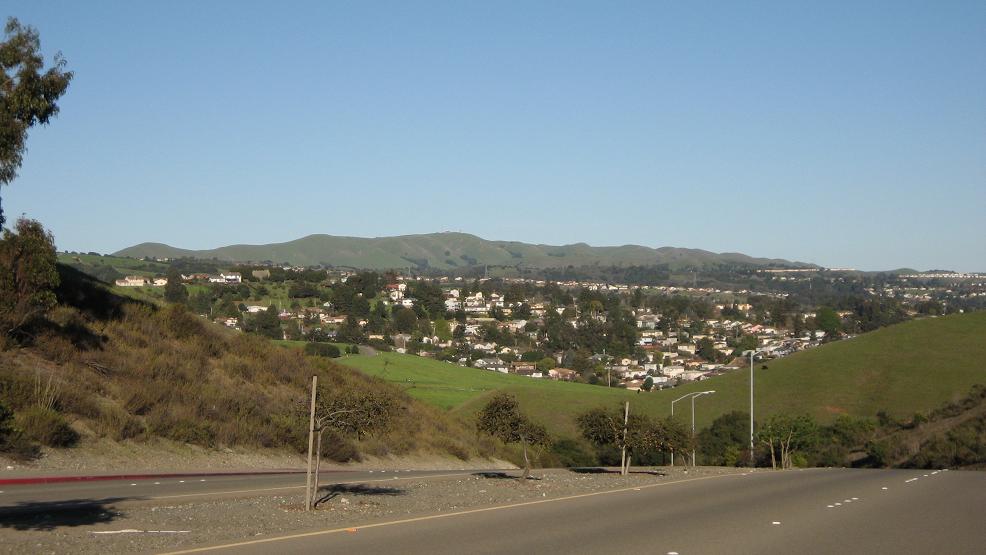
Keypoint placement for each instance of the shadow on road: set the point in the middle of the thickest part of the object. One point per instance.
(600, 470)
(335, 490)
(49, 515)
(501, 476)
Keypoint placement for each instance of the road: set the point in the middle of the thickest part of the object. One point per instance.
(802, 512)
(189, 488)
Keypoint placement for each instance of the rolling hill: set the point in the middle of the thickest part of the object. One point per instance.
(903, 369)
(449, 251)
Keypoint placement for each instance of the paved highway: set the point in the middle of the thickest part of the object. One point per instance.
(802, 512)
(192, 487)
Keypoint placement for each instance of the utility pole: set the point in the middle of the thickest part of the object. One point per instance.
(311, 446)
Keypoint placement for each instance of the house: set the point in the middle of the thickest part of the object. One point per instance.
(160, 282)
(686, 348)
(231, 277)
(564, 374)
(523, 368)
(132, 281)
(492, 364)
(261, 274)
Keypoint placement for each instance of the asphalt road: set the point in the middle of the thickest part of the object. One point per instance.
(800, 512)
(190, 488)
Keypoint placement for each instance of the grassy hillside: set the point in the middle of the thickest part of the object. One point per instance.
(446, 251)
(129, 370)
(912, 367)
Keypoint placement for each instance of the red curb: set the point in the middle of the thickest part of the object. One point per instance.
(98, 478)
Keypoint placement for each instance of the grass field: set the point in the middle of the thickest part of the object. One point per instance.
(911, 367)
(903, 369)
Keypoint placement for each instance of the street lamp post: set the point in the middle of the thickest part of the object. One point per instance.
(692, 397)
(699, 394)
(751, 352)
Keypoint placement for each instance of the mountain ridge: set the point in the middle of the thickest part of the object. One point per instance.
(451, 250)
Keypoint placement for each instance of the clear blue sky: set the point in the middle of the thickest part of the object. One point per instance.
(842, 133)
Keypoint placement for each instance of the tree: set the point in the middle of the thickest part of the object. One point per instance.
(266, 323)
(28, 275)
(723, 442)
(786, 435)
(828, 321)
(28, 94)
(174, 291)
(350, 411)
(648, 384)
(502, 419)
(636, 434)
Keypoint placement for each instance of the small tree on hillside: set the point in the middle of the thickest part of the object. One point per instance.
(28, 276)
(502, 419)
(174, 291)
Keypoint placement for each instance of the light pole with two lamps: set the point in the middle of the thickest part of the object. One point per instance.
(692, 396)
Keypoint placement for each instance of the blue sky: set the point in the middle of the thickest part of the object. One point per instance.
(842, 133)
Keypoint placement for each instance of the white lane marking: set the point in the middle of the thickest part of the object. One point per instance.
(925, 475)
(201, 480)
(847, 500)
(775, 522)
(371, 472)
(157, 483)
(133, 484)
(838, 504)
(909, 481)
(884, 487)
(132, 531)
(830, 506)
(181, 481)
(672, 553)
(855, 499)
(935, 472)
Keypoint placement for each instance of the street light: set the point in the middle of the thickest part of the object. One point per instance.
(699, 394)
(751, 352)
(686, 396)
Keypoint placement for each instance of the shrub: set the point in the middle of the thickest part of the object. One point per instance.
(571, 453)
(47, 427)
(322, 350)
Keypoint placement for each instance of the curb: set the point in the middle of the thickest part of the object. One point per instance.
(109, 477)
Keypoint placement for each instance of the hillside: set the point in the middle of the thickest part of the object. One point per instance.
(912, 367)
(449, 251)
(108, 368)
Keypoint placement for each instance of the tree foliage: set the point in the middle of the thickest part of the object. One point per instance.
(502, 419)
(641, 434)
(28, 275)
(786, 435)
(28, 94)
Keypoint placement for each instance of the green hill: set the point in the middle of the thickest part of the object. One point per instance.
(447, 251)
(911, 367)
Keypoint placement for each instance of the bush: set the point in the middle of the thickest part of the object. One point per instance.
(570, 453)
(47, 427)
(322, 350)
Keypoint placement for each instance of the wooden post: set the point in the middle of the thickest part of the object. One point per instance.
(623, 454)
(311, 445)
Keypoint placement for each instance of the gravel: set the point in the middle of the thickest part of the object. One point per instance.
(140, 527)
